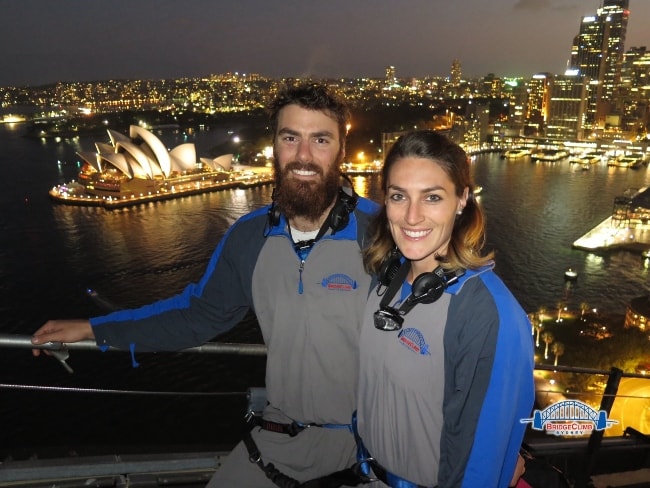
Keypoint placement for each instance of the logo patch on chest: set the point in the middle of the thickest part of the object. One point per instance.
(340, 282)
(414, 340)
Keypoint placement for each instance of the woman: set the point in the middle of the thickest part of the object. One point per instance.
(446, 351)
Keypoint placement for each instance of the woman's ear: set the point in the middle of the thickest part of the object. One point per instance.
(463, 200)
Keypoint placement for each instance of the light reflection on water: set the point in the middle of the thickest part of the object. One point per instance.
(535, 212)
(49, 255)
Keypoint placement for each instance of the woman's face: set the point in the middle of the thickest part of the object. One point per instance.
(421, 205)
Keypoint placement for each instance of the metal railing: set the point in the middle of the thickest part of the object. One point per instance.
(577, 457)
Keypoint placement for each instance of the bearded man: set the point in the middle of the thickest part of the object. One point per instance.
(297, 264)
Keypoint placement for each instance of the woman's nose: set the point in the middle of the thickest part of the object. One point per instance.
(413, 213)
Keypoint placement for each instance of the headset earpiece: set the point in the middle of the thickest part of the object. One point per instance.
(428, 287)
(340, 214)
(274, 212)
(390, 267)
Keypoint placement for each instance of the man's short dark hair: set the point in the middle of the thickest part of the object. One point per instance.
(312, 96)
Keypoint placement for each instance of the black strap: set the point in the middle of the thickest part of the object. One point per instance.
(292, 429)
(395, 284)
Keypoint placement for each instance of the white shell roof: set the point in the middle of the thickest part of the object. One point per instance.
(136, 157)
(156, 145)
(183, 157)
(91, 158)
(119, 161)
(224, 161)
(143, 155)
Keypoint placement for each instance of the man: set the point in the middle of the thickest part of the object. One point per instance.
(297, 264)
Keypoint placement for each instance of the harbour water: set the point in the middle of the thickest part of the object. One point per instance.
(50, 254)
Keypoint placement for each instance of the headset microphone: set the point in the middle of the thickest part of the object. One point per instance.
(426, 288)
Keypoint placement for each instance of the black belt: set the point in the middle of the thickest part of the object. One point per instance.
(294, 428)
(344, 477)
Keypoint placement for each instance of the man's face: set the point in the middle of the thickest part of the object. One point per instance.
(308, 152)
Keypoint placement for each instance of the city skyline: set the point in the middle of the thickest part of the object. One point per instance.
(45, 41)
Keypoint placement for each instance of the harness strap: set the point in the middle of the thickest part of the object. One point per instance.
(294, 428)
(365, 461)
(347, 476)
(391, 479)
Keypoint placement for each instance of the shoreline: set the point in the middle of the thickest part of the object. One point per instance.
(58, 195)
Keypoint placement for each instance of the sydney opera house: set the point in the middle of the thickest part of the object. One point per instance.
(139, 168)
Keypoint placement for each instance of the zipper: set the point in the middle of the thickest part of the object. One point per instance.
(300, 269)
(302, 253)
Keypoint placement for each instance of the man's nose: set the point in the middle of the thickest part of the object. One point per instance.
(304, 152)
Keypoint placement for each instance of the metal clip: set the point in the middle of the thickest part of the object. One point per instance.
(61, 355)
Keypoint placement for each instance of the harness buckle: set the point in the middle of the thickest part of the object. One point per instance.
(362, 469)
(255, 457)
(293, 429)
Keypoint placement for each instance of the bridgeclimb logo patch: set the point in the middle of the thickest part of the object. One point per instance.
(339, 281)
(414, 340)
(569, 417)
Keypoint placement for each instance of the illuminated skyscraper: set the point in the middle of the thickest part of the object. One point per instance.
(390, 75)
(567, 107)
(456, 74)
(597, 54)
(635, 91)
(539, 100)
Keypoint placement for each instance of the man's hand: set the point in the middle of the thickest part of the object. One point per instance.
(62, 331)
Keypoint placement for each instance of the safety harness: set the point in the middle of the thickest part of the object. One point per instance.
(365, 462)
(254, 418)
(348, 476)
(365, 470)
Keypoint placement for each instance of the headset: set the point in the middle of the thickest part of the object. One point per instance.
(426, 288)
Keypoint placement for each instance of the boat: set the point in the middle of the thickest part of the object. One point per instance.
(516, 153)
(549, 155)
(632, 161)
(587, 158)
(571, 274)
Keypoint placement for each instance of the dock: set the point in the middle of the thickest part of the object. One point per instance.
(627, 228)
(609, 235)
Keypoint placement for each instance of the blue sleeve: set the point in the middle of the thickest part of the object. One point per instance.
(509, 396)
(488, 385)
(203, 310)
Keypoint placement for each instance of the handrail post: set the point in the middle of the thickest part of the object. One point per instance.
(596, 438)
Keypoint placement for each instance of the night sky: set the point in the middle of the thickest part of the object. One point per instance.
(44, 41)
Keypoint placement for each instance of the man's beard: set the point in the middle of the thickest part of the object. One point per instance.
(306, 199)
